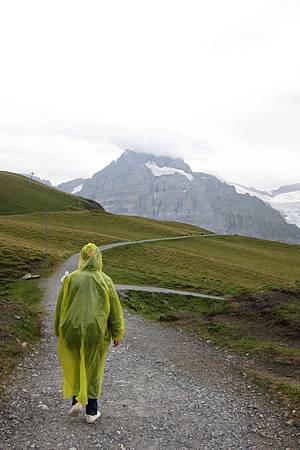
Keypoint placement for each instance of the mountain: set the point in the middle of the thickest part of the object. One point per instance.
(285, 199)
(72, 186)
(41, 180)
(19, 196)
(166, 188)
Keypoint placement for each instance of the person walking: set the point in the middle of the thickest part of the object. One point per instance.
(88, 316)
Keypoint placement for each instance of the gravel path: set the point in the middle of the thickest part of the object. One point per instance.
(146, 241)
(154, 289)
(163, 390)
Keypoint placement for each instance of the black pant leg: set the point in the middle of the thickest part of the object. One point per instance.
(74, 401)
(92, 407)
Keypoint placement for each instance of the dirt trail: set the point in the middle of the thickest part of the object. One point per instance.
(163, 390)
(155, 289)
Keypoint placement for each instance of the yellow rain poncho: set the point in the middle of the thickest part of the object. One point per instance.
(88, 316)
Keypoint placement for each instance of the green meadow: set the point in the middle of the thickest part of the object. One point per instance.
(19, 195)
(217, 264)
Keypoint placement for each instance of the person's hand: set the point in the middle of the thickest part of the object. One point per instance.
(116, 343)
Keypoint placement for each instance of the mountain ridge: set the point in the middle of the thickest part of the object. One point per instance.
(285, 199)
(166, 188)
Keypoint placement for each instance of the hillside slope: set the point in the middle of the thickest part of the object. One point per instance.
(24, 240)
(19, 195)
(215, 264)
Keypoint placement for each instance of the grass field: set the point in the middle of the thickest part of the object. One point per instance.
(19, 195)
(218, 264)
(23, 237)
(20, 321)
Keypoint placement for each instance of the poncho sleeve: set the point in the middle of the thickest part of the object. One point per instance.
(116, 318)
(58, 308)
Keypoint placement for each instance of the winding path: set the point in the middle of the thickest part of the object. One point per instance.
(72, 262)
(155, 289)
(164, 389)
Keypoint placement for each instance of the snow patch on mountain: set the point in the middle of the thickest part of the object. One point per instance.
(240, 189)
(287, 203)
(77, 189)
(289, 206)
(288, 197)
(160, 171)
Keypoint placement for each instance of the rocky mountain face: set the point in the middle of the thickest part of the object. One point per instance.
(73, 186)
(285, 199)
(167, 189)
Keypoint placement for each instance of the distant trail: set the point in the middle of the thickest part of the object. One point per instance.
(158, 290)
(145, 241)
(155, 289)
(164, 389)
(145, 288)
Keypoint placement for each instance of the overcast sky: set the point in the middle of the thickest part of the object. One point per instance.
(216, 82)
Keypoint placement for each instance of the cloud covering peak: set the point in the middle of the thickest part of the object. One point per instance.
(216, 83)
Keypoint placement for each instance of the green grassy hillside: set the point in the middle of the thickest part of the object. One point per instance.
(23, 237)
(216, 264)
(19, 195)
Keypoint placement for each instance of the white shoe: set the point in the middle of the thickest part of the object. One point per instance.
(92, 419)
(75, 410)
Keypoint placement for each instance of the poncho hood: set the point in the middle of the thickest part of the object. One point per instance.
(90, 258)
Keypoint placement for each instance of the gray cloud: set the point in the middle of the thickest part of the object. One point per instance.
(85, 148)
(223, 92)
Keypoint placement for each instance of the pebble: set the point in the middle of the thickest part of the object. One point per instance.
(45, 407)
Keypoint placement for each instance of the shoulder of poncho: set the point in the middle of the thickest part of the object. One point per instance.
(107, 278)
(73, 274)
